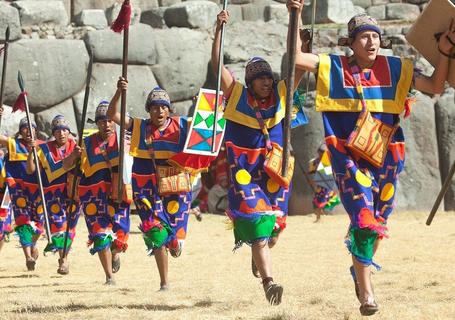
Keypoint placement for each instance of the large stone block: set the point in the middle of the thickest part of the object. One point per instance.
(377, 12)
(95, 18)
(192, 14)
(362, 3)
(53, 70)
(10, 121)
(104, 83)
(37, 12)
(107, 45)
(277, 12)
(328, 11)
(253, 11)
(44, 118)
(66, 4)
(402, 11)
(154, 17)
(181, 74)
(420, 180)
(445, 125)
(80, 5)
(9, 16)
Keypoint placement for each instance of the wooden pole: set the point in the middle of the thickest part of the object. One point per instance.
(441, 194)
(5, 60)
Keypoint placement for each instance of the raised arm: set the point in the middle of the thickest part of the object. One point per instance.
(303, 61)
(435, 83)
(113, 112)
(226, 77)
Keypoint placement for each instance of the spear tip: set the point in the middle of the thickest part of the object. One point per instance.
(20, 80)
(7, 34)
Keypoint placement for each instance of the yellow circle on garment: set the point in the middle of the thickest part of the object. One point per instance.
(243, 177)
(362, 179)
(40, 210)
(91, 209)
(72, 209)
(387, 192)
(21, 203)
(173, 207)
(111, 210)
(55, 208)
(272, 186)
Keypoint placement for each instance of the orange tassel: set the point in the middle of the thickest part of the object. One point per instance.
(123, 19)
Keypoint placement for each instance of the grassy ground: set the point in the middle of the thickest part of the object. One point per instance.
(210, 282)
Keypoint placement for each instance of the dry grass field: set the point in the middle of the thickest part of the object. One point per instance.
(210, 282)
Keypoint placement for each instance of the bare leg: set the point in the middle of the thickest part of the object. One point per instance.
(1, 244)
(63, 266)
(261, 257)
(105, 257)
(162, 264)
(273, 241)
(362, 273)
(319, 213)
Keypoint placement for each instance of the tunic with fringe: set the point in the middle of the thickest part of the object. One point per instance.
(55, 184)
(164, 218)
(258, 205)
(24, 193)
(367, 192)
(108, 221)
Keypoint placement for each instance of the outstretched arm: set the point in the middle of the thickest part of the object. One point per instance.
(435, 83)
(113, 111)
(226, 77)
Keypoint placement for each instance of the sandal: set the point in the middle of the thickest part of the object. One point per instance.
(369, 307)
(35, 253)
(273, 293)
(254, 269)
(110, 282)
(62, 269)
(30, 263)
(115, 265)
(176, 252)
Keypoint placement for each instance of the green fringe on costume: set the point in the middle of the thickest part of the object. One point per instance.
(57, 243)
(333, 202)
(25, 233)
(156, 238)
(248, 230)
(362, 242)
(100, 243)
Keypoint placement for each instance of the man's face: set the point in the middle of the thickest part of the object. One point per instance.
(25, 133)
(159, 114)
(366, 46)
(61, 136)
(262, 86)
(106, 128)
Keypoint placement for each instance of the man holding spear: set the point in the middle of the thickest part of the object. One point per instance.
(353, 92)
(258, 196)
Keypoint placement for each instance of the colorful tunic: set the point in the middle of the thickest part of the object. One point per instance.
(5, 213)
(23, 190)
(325, 196)
(55, 184)
(258, 205)
(164, 218)
(108, 221)
(366, 192)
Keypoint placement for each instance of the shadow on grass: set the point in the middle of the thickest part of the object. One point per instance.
(74, 307)
(55, 284)
(20, 276)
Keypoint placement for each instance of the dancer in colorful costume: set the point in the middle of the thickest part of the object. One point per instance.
(5, 213)
(108, 221)
(325, 197)
(23, 190)
(56, 157)
(346, 88)
(162, 208)
(258, 199)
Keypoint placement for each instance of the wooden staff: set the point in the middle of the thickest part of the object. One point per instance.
(80, 130)
(441, 194)
(5, 59)
(310, 46)
(122, 23)
(35, 155)
(292, 32)
(218, 81)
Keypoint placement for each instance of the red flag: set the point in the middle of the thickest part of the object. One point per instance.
(20, 102)
(124, 17)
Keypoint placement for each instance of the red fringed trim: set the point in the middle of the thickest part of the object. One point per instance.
(20, 102)
(191, 163)
(148, 225)
(119, 245)
(281, 222)
(123, 19)
(408, 106)
(22, 220)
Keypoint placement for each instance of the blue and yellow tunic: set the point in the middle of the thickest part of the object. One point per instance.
(366, 192)
(258, 205)
(164, 218)
(5, 213)
(108, 222)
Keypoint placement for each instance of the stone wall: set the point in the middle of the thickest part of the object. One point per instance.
(170, 43)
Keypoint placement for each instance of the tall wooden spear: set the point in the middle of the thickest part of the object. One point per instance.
(80, 131)
(310, 45)
(122, 23)
(292, 38)
(5, 60)
(441, 194)
(35, 155)
(218, 81)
